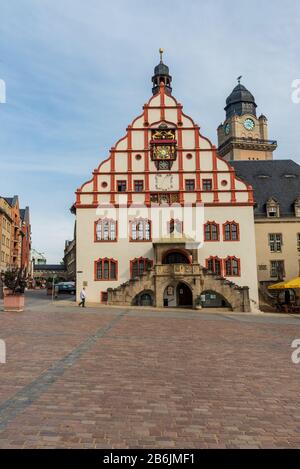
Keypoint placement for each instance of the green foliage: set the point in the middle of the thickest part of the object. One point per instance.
(15, 280)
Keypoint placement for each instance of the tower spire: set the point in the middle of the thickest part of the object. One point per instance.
(161, 51)
(161, 74)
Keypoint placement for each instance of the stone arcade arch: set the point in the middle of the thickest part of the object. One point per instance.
(213, 299)
(144, 298)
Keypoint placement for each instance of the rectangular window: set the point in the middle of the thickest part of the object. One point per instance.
(277, 269)
(275, 242)
(298, 242)
(207, 185)
(190, 185)
(138, 186)
(121, 186)
(104, 297)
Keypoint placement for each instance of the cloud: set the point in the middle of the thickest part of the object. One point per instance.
(77, 73)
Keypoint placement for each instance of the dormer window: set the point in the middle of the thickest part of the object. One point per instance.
(273, 209)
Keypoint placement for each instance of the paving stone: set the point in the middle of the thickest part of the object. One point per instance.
(112, 378)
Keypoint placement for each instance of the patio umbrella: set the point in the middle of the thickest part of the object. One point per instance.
(294, 284)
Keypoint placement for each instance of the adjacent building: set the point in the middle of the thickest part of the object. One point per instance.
(6, 224)
(243, 141)
(15, 233)
(276, 187)
(165, 161)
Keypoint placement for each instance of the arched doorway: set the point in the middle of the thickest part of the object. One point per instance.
(184, 295)
(145, 298)
(176, 257)
(212, 299)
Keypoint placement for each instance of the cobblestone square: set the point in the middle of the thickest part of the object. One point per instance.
(130, 378)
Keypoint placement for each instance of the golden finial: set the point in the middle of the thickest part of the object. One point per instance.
(161, 51)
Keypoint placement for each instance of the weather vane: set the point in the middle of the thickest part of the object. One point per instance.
(239, 79)
(161, 51)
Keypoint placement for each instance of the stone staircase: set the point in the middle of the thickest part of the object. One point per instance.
(127, 291)
(199, 279)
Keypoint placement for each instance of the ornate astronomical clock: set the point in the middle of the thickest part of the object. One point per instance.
(163, 147)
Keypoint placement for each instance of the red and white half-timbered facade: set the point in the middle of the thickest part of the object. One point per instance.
(162, 159)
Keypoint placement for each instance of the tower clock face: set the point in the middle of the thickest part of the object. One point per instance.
(227, 129)
(249, 124)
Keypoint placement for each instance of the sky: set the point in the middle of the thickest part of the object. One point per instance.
(77, 72)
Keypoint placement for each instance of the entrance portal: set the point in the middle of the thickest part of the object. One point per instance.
(184, 295)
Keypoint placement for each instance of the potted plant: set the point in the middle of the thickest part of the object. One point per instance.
(15, 282)
(198, 304)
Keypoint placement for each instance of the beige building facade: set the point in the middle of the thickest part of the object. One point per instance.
(164, 162)
(276, 187)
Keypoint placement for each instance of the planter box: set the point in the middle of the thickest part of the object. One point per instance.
(14, 303)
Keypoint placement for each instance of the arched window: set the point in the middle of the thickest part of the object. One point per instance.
(175, 225)
(106, 269)
(232, 267)
(140, 230)
(138, 266)
(211, 231)
(231, 231)
(214, 265)
(105, 230)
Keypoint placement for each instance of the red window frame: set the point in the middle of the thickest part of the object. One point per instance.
(211, 224)
(110, 221)
(103, 266)
(206, 181)
(146, 264)
(191, 183)
(231, 272)
(138, 221)
(122, 181)
(138, 185)
(231, 224)
(214, 260)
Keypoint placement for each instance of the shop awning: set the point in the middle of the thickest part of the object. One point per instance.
(295, 283)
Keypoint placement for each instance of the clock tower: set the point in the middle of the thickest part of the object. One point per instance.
(243, 135)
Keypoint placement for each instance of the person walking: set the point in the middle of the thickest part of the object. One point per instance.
(82, 298)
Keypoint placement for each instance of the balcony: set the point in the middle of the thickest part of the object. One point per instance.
(247, 144)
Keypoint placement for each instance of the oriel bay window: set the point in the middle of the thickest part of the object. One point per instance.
(214, 264)
(105, 230)
(232, 267)
(140, 230)
(211, 231)
(231, 231)
(106, 269)
(138, 266)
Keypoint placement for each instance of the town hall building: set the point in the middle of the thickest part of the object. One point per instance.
(131, 253)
